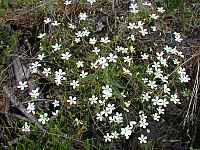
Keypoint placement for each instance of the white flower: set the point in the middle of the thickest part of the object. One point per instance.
(145, 56)
(178, 37)
(163, 62)
(156, 117)
(78, 121)
(102, 102)
(40, 56)
(100, 116)
(83, 74)
(102, 62)
(166, 90)
(132, 37)
(145, 80)
(148, 131)
(79, 34)
(111, 119)
(132, 26)
(93, 99)
(34, 67)
(55, 23)
(154, 28)
(59, 76)
(67, 2)
(56, 47)
(133, 8)
(183, 76)
(146, 97)
(22, 85)
(71, 100)
(174, 99)
(41, 35)
(143, 123)
(56, 103)
(164, 102)
(143, 31)
(122, 49)
(26, 127)
(91, 1)
(152, 84)
(106, 112)
(107, 91)
(127, 104)
(96, 50)
(179, 53)
(142, 139)
(66, 56)
(126, 71)
(149, 70)
(83, 16)
(71, 26)
(157, 101)
(160, 110)
(123, 95)
(164, 79)
(142, 115)
(35, 93)
(112, 58)
(30, 108)
(92, 41)
(127, 131)
(60, 72)
(104, 40)
(127, 59)
(168, 49)
(74, 84)
(147, 4)
(127, 110)
(47, 20)
(156, 65)
(77, 40)
(158, 73)
(110, 108)
(79, 64)
(115, 135)
(118, 118)
(132, 123)
(85, 32)
(160, 10)
(55, 113)
(107, 137)
(159, 55)
(94, 65)
(140, 25)
(154, 16)
(43, 118)
(46, 71)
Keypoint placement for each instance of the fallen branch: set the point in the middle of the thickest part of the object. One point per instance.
(20, 107)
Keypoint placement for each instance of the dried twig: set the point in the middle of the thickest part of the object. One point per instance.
(193, 100)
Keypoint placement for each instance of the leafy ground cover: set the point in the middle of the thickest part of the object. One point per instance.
(99, 74)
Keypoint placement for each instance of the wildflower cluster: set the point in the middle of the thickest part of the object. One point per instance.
(125, 80)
